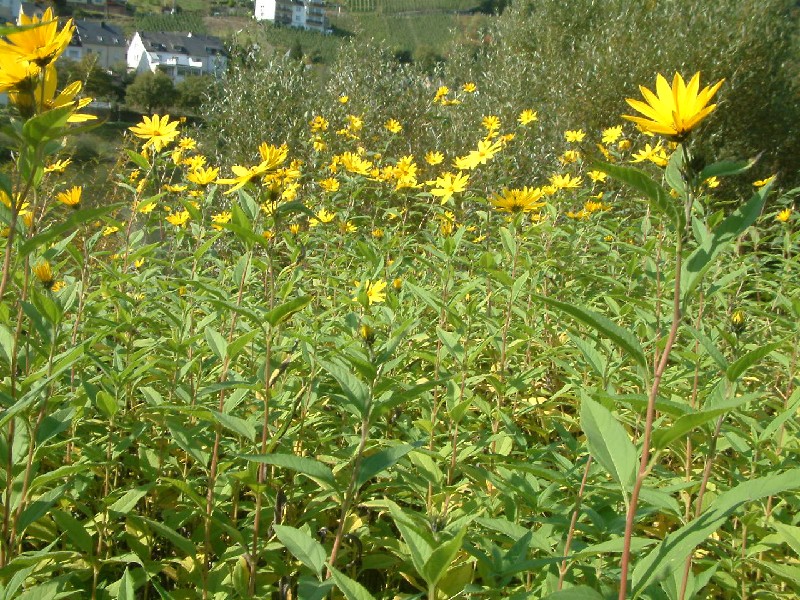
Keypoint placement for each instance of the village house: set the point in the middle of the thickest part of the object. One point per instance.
(306, 14)
(104, 42)
(179, 55)
(10, 10)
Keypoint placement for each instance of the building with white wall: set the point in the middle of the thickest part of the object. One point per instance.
(179, 55)
(305, 14)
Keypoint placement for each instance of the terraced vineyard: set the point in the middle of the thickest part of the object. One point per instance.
(400, 6)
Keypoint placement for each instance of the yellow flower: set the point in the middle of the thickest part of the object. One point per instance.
(179, 219)
(657, 155)
(711, 183)
(158, 131)
(377, 233)
(527, 116)
(58, 286)
(393, 126)
(194, 162)
(738, 319)
(40, 45)
(434, 157)
(569, 156)
(203, 176)
(187, 143)
(318, 123)
(441, 93)
(71, 197)
(58, 167)
(623, 144)
(597, 176)
(147, 207)
(319, 144)
(447, 185)
(469, 87)
(294, 228)
(676, 110)
(575, 135)
(109, 229)
(486, 150)
(561, 182)
(331, 184)
(612, 134)
(44, 273)
(397, 284)
(784, 215)
(763, 182)
(219, 219)
(344, 99)
(374, 291)
(355, 164)
(325, 216)
(138, 262)
(347, 227)
(519, 200)
(176, 188)
(491, 123)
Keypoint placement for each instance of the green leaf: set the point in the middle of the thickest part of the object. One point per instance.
(39, 507)
(663, 437)
(217, 343)
(350, 588)
(302, 464)
(106, 404)
(659, 198)
(47, 125)
(177, 540)
(126, 587)
(282, 312)
(419, 546)
(440, 559)
(603, 325)
(355, 389)
(732, 227)
(748, 360)
(303, 547)
(77, 218)
(726, 168)
(609, 442)
(75, 531)
(235, 424)
(239, 343)
(137, 159)
(129, 500)
(580, 592)
(376, 463)
(673, 550)
(790, 534)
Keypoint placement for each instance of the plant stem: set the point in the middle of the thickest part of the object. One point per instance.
(562, 571)
(649, 419)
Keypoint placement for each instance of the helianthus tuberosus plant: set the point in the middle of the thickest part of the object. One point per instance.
(355, 363)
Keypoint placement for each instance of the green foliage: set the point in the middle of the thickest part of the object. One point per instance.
(151, 91)
(312, 376)
(182, 22)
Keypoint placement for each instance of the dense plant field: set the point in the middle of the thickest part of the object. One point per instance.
(382, 363)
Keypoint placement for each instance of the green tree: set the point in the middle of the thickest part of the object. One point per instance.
(192, 92)
(97, 82)
(150, 91)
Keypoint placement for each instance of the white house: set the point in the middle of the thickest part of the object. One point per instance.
(306, 14)
(104, 42)
(179, 55)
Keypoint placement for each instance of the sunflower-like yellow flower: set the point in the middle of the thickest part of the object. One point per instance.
(44, 273)
(220, 218)
(673, 111)
(575, 135)
(71, 197)
(179, 219)
(158, 131)
(374, 290)
(527, 116)
(469, 87)
(447, 185)
(203, 176)
(41, 45)
(784, 215)
(434, 157)
(393, 126)
(519, 200)
(612, 134)
(272, 156)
